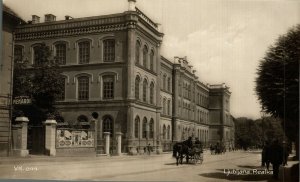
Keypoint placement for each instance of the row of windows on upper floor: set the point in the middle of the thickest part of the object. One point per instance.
(166, 83)
(84, 53)
(60, 51)
(108, 88)
(166, 106)
(83, 88)
(203, 135)
(144, 57)
(201, 117)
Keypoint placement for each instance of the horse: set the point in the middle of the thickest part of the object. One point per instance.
(180, 150)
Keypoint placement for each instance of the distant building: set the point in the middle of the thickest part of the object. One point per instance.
(112, 65)
(10, 20)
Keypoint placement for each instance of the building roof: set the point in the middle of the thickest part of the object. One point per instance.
(8, 11)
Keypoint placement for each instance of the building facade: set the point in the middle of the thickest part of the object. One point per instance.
(10, 21)
(112, 66)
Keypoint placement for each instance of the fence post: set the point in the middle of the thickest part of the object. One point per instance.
(50, 127)
(20, 136)
(119, 140)
(106, 135)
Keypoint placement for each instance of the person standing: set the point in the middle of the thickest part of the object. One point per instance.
(276, 157)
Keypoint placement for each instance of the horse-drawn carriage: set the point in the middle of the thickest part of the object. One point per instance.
(193, 153)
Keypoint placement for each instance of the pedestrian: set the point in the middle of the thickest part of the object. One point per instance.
(276, 157)
(149, 149)
(266, 155)
(286, 152)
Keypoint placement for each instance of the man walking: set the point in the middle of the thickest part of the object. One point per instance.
(276, 157)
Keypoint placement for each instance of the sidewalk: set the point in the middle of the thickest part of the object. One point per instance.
(45, 158)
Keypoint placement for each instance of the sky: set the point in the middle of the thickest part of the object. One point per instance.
(224, 40)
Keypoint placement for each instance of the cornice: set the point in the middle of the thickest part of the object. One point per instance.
(73, 31)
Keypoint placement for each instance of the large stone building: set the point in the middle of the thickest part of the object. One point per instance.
(10, 20)
(112, 65)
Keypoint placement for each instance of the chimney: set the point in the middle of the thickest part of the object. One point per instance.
(35, 19)
(50, 18)
(67, 17)
(131, 5)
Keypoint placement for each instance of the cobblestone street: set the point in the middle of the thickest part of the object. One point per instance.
(135, 168)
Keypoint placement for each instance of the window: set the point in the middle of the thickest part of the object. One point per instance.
(137, 52)
(164, 106)
(61, 96)
(137, 87)
(36, 54)
(164, 132)
(169, 84)
(61, 53)
(83, 88)
(152, 60)
(145, 84)
(168, 132)
(18, 54)
(152, 93)
(164, 82)
(151, 128)
(108, 124)
(168, 107)
(109, 50)
(137, 127)
(145, 54)
(84, 52)
(108, 87)
(144, 128)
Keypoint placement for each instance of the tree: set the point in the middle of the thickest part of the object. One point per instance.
(42, 82)
(247, 133)
(277, 84)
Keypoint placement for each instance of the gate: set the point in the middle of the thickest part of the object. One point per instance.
(36, 140)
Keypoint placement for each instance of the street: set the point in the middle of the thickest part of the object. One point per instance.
(232, 166)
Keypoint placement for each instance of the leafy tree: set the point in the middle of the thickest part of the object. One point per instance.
(277, 84)
(42, 82)
(247, 133)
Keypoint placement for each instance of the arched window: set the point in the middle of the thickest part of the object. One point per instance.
(164, 132)
(84, 52)
(145, 54)
(137, 127)
(144, 128)
(164, 82)
(169, 84)
(145, 85)
(60, 53)
(137, 87)
(169, 107)
(108, 124)
(168, 132)
(152, 60)
(151, 128)
(36, 53)
(152, 93)
(137, 52)
(164, 106)
(83, 88)
(109, 50)
(108, 87)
